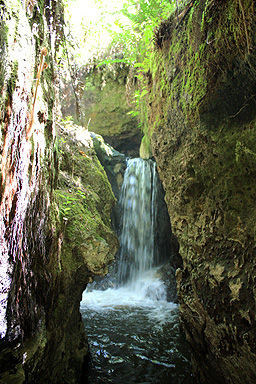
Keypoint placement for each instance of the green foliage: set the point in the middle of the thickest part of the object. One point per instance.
(67, 119)
(137, 21)
(132, 44)
(69, 200)
(143, 17)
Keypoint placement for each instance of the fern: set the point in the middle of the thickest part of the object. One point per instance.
(137, 21)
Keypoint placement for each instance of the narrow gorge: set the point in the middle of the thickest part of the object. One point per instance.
(87, 246)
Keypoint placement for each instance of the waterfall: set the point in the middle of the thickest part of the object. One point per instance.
(143, 265)
(131, 326)
(138, 240)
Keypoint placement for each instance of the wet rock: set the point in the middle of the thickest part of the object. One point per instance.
(114, 164)
(55, 228)
(204, 148)
(104, 108)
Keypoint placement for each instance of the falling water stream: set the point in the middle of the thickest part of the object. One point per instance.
(133, 330)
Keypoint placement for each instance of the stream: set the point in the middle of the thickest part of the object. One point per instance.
(132, 327)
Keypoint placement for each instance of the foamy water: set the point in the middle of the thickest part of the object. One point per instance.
(133, 331)
(148, 291)
(134, 335)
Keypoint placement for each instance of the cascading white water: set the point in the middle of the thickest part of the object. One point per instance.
(138, 201)
(133, 330)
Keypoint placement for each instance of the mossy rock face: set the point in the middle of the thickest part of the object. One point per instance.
(203, 135)
(85, 200)
(104, 109)
(114, 164)
(30, 228)
(80, 245)
(48, 252)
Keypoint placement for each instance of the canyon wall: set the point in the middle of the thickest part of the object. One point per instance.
(55, 206)
(103, 104)
(56, 200)
(202, 129)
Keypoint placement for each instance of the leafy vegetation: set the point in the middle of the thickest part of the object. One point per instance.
(183, 65)
(130, 28)
(134, 45)
(137, 22)
(70, 201)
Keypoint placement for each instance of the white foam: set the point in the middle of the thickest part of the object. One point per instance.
(148, 293)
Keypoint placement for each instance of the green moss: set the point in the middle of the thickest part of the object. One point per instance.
(213, 38)
(245, 157)
(73, 205)
(223, 173)
(108, 111)
(85, 199)
(205, 149)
